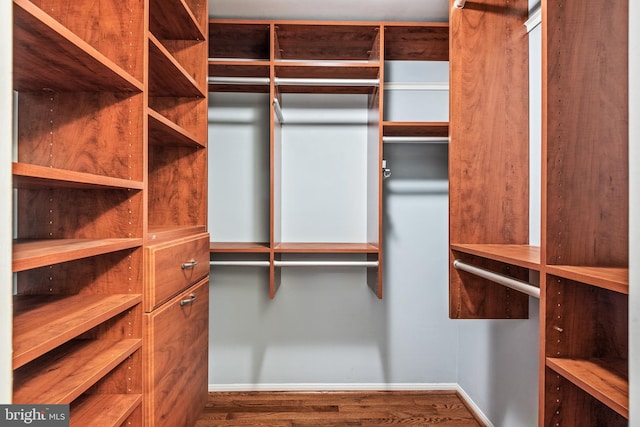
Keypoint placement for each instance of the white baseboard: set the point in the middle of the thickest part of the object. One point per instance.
(356, 387)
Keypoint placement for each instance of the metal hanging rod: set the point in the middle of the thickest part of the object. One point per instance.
(277, 263)
(281, 81)
(278, 110)
(240, 263)
(509, 282)
(416, 139)
(238, 80)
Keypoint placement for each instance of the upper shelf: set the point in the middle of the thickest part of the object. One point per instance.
(175, 20)
(611, 278)
(51, 57)
(415, 129)
(326, 248)
(246, 40)
(416, 42)
(521, 255)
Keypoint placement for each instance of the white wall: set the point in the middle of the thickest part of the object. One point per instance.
(499, 358)
(325, 328)
(6, 125)
(634, 215)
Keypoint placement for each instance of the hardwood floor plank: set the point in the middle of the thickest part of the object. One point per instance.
(333, 409)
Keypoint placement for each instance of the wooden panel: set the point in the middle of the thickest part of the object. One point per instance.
(606, 380)
(42, 323)
(327, 247)
(64, 374)
(375, 199)
(177, 186)
(327, 70)
(166, 276)
(95, 133)
(488, 149)
(481, 296)
(239, 68)
(585, 322)
(568, 405)
(174, 19)
(418, 129)
(320, 41)
(239, 247)
(176, 356)
(585, 133)
(239, 39)
(41, 44)
(417, 42)
(114, 28)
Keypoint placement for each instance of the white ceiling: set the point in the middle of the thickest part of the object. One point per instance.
(350, 10)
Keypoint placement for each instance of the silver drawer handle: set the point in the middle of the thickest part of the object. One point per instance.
(190, 264)
(191, 299)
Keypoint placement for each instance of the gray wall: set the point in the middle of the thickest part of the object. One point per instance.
(325, 328)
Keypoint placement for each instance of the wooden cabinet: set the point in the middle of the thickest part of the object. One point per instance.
(109, 158)
(316, 58)
(177, 358)
(582, 259)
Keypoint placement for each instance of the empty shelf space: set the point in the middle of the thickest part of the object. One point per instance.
(239, 247)
(103, 409)
(167, 77)
(42, 323)
(60, 376)
(415, 129)
(28, 254)
(35, 176)
(606, 380)
(239, 39)
(521, 255)
(173, 19)
(611, 278)
(417, 42)
(326, 248)
(41, 44)
(163, 131)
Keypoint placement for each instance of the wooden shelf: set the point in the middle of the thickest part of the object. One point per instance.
(42, 44)
(606, 380)
(28, 254)
(174, 20)
(611, 278)
(416, 42)
(163, 131)
(326, 248)
(157, 234)
(42, 323)
(239, 247)
(107, 410)
(520, 255)
(415, 129)
(239, 39)
(64, 374)
(167, 77)
(35, 177)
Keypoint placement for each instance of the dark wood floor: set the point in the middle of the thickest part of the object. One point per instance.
(328, 409)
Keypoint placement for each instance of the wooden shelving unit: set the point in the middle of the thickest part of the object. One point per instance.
(110, 165)
(583, 256)
(319, 57)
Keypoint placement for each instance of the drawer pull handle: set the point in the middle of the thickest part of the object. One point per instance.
(191, 299)
(190, 264)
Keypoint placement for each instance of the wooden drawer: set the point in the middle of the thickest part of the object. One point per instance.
(173, 266)
(176, 343)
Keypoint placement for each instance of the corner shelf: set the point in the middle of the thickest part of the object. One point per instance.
(605, 379)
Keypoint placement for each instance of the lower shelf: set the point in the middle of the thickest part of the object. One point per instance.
(604, 379)
(62, 375)
(104, 409)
